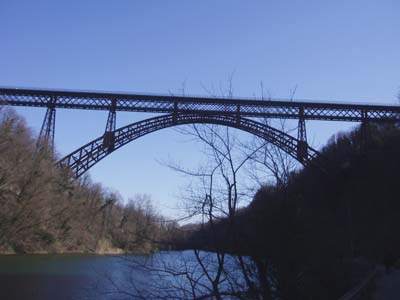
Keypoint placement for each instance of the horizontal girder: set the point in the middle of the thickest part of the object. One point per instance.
(311, 110)
(85, 157)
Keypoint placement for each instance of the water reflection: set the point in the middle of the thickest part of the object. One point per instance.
(89, 277)
(63, 277)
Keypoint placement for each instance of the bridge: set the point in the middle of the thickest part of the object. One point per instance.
(179, 110)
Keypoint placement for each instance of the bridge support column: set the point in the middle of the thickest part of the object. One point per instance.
(175, 113)
(238, 114)
(46, 136)
(302, 145)
(365, 131)
(109, 133)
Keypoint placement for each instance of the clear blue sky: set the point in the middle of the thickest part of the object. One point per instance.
(344, 50)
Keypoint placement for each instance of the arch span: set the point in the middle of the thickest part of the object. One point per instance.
(82, 159)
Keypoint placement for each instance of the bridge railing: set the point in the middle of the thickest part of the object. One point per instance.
(250, 107)
(196, 96)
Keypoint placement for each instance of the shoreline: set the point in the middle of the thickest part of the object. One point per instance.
(97, 253)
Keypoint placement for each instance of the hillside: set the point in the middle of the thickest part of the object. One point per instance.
(309, 230)
(44, 210)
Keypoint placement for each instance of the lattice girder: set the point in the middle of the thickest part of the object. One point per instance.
(313, 110)
(88, 155)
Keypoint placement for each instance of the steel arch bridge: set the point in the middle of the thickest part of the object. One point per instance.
(88, 155)
(179, 110)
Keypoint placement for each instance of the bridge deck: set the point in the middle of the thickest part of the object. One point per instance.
(308, 110)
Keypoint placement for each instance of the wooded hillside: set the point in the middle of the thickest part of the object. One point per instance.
(43, 209)
(309, 230)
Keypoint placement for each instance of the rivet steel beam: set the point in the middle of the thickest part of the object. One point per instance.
(47, 131)
(109, 134)
(312, 110)
(301, 136)
(82, 159)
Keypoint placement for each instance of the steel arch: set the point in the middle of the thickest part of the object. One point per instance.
(82, 159)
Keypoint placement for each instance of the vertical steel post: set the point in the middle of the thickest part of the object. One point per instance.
(302, 137)
(238, 114)
(365, 130)
(47, 131)
(109, 133)
(175, 113)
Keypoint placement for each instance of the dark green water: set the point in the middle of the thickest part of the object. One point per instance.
(64, 277)
(95, 277)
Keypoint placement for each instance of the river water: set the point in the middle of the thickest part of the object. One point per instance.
(95, 277)
(66, 277)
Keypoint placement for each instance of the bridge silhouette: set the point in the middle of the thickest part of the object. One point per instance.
(179, 110)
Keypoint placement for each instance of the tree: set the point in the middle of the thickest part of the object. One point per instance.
(44, 209)
(221, 265)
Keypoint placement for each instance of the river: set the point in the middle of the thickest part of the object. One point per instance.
(96, 277)
(66, 277)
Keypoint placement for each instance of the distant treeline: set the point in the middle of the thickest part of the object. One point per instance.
(309, 230)
(43, 209)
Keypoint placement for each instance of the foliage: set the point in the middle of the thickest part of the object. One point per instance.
(43, 209)
(308, 230)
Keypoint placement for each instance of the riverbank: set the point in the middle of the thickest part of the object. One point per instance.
(105, 253)
(103, 248)
(45, 210)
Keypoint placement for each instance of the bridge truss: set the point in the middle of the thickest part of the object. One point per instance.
(284, 109)
(88, 155)
(188, 109)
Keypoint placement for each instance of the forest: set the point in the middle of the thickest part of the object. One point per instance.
(45, 210)
(317, 232)
(303, 234)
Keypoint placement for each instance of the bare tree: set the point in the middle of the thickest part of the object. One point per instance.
(398, 95)
(215, 199)
(44, 209)
(218, 268)
(270, 164)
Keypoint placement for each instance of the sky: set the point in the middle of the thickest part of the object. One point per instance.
(344, 50)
